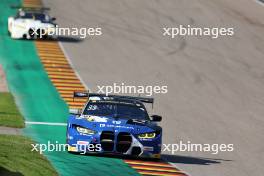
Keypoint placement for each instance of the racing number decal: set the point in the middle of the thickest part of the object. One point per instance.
(92, 108)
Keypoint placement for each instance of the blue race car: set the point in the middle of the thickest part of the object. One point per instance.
(113, 124)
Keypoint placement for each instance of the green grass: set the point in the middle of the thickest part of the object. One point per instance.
(16, 158)
(9, 114)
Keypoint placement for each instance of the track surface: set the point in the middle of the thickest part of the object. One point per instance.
(216, 87)
(39, 101)
(66, 81)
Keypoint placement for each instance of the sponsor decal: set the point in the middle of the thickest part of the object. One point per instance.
(147, 148)
(82, 142)
(116, 122)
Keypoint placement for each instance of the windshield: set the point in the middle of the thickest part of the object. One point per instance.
(118, 110)
(37, 16)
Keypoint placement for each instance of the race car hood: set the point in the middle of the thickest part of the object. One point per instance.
(114, 124)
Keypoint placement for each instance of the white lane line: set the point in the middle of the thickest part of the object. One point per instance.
(46, 123)
(177, 167)
(73, 68)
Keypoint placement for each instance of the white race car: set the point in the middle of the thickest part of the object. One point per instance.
(31, 23)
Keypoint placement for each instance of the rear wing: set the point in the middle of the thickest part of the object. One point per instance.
(87, 95)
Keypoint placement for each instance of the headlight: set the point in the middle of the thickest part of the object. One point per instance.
(147, 135)
(85, 130)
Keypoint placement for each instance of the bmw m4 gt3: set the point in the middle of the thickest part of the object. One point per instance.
(118, 125)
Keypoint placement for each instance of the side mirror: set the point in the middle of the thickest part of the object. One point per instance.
(53, 18)
(156, 118)
(75, 111)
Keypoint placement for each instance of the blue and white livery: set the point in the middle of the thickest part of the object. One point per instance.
(112, 124)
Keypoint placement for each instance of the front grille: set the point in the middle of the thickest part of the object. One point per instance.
(124, 141)
(107, 140)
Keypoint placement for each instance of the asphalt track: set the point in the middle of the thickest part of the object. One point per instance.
(39, 101)
(215, 85)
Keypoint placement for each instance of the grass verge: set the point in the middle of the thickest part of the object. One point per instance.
(16, 158)
(9, 114)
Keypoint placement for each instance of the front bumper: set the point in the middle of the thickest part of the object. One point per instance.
(115, 143)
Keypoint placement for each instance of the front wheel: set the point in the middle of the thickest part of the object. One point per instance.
(31, 34)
